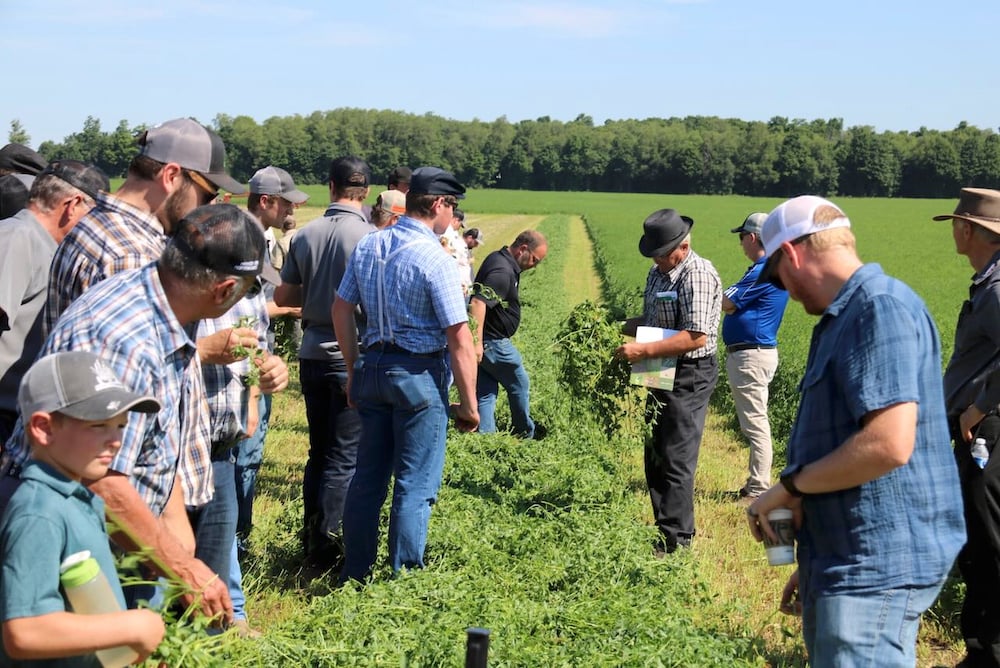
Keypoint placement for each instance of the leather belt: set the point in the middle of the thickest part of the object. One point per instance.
(736, 347)
(384, 347)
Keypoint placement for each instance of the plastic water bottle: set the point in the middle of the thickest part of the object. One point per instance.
(90, 593)
(979, 453)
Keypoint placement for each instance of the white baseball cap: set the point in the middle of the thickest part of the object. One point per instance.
(794, 219)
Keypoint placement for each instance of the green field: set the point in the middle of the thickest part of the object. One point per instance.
(548, 543)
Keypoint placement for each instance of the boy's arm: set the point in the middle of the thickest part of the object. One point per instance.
(63, 634)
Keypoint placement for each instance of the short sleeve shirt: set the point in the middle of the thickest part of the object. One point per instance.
(759, 310)
(26, 251)
(876, 346)
(419, 296)
(317, 258)
(112, 237)
(688, 297)
(127, 320)
(499, 277)
(48, 518)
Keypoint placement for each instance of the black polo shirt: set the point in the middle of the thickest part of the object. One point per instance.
(500, 272)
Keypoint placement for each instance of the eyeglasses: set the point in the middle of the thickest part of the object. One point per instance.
(208, 192)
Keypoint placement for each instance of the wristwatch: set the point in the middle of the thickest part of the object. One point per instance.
(787, 479)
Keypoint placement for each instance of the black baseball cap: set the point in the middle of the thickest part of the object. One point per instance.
(81, 175)
(226, 239)
(350, 172)
(435, 181)
(22, 160)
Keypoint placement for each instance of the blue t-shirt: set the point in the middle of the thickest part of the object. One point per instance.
(876, 346)
(759, 310)
(48, 518)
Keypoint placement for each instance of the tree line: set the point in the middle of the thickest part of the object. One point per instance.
(691, 155)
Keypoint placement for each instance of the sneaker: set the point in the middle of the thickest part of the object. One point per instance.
(745, 498)
(242, 629)
(540, 432)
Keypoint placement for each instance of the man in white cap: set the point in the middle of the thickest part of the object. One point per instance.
(871, 478)
(750, 333)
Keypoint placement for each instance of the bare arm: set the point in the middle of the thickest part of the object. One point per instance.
(477, 313)
(174, 519)
(287, 294)
(683, 341)
(728, 307)
(346, 328)
(64, 634)
(883, 444)
(275, 311)
(465, 367)
(139, 529)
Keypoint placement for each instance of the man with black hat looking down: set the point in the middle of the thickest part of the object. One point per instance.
(416, 323)
(683, 293)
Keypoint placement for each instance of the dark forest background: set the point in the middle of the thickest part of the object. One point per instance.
(696, 154)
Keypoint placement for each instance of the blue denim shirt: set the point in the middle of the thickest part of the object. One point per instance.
(876, 346)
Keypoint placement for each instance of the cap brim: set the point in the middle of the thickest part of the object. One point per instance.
(227, 183)
(295, 196)
(737, 229)
(270, 274)
(109, 403)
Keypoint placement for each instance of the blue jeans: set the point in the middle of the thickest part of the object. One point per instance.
(502, 365)
(334, 433)
(403, 402)
(214, 523)
(249, 456)
(236, 585)
(876, 629)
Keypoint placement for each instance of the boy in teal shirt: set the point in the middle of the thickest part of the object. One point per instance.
(74, 409)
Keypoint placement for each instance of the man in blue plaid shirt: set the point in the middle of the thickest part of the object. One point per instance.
(408, 287)
(871, 479)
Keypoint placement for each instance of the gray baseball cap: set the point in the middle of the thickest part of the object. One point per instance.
(273, 180)
(192, 146)
(752, 225)
(79, 384)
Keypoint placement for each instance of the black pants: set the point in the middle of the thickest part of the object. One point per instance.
(671, 454)
(979, 560)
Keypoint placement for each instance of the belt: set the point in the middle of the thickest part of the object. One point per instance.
(736, 347)
(384, 347)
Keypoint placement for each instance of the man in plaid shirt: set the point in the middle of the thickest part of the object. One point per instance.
(683, 293)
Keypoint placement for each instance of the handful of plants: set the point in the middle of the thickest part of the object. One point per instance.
(252, 377)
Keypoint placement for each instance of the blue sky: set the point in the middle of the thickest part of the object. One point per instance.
(890, 64)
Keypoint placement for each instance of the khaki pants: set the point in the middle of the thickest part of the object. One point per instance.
(750, 372)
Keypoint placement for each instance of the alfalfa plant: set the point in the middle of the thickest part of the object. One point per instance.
(589, 369)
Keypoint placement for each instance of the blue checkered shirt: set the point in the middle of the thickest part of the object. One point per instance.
(874, 347)
(129, 323)
(112, 237)
(227, 395)
(688, 297)
(421, 294)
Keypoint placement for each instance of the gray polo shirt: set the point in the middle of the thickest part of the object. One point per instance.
(316, 260)
(26, 251)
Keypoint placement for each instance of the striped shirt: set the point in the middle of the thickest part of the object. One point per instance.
(129, 323)
(112, 237)
(688, 297)
(420, 293)
(227, 395)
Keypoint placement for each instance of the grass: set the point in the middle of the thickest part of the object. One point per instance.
(548, 543)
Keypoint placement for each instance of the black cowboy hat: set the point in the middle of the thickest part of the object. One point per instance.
(663, 231)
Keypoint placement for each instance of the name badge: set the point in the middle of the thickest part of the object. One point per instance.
(666, 296)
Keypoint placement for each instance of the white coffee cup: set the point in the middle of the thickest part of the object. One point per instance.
(782, 551)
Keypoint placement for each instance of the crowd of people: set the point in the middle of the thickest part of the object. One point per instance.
(137, 366)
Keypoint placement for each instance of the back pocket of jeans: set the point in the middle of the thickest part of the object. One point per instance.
(411, 391)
